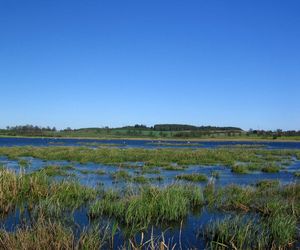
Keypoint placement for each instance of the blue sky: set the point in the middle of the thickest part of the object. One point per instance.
(96, 63)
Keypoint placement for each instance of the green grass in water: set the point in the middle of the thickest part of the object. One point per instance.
(297, 174)
(192, 177)
(271, 168)
(149, 205)
(245, 232)
(154, 157)
(240, 169)
(55, 170)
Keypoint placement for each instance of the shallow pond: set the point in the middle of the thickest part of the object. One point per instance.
(93, 175)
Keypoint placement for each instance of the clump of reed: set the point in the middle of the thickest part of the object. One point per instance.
(276, 209)
(23, 163)
(267, 198)
(121, 175)
(150, 170)
(140, 179)
(55, 170)
(173, 168)
(248, 232)
(70, 194)
(271, 168)
(17, 188)
(68, 167)
(192, 177)
(253, 166)
(44, 234)
(231, 197)
(150, 205)
(235, 232)
(96, 172)
(263, 184)
(239, 169)
(37, 190)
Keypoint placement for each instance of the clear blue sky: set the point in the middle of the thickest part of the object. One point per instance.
(95, 63)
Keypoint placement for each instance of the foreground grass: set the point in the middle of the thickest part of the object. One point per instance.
(52, 235)
(248, 232)
(149, 205)
(263, 216)
(38, 190)
(266, 198)
(270, 216)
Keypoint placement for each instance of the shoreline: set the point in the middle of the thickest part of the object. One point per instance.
(156, 139)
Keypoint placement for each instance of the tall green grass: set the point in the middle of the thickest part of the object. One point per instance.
(266, 215)
(55, 170)
(271, 168)
(44, 234)
(235, 232)
(149, 205)
(239, 169)
(248, 232)
(38, 190)
(192, 177)
(23, 163)
(276, 209)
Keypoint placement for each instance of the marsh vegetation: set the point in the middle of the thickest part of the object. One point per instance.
(152, 199)
(257, 158)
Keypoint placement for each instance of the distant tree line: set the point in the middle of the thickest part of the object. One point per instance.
(275, 134)
(183, 127)
(29, 130)
(138, 126)
(140, 130)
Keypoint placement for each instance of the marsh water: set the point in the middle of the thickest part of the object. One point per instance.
(189, 232)
(42, 142)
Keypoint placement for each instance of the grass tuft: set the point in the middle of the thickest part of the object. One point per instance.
(149, 205)
(239, 169)
(271, 168)
(192, 177)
